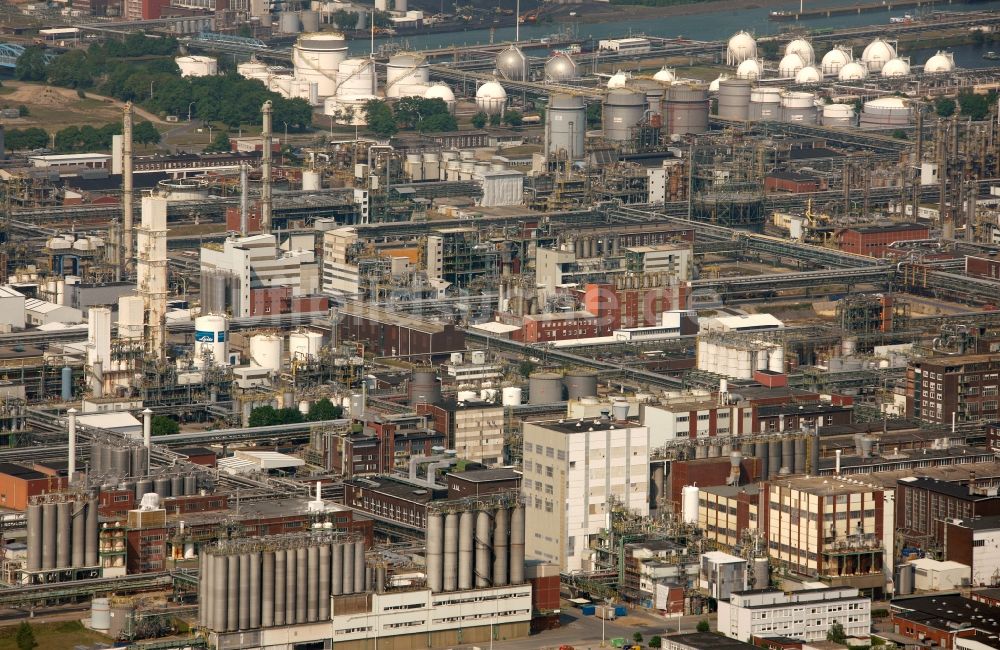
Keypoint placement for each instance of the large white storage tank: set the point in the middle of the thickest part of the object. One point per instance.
(348, 111)
(197, 66)
(253, 70)
(560, 68)
(405, 70)
(211, 340)
(623, 110)
(689, 504)
(491, 98)
(751, 69)
(896, 68)
(356, 77)
(565, 126)
(798, 107)
(741, 46)
(790, 65)
(853, 71)
(877, 54)
(940, 63)
(511, 396)
(443, 92)
(618, 80)
(317, 57)
(804, 49)
(665, 75)
(265, 351)
(836, 59)
(809, 75)
(765, 104)
(838, 115)
(512, 64)
(886, 113)
(304, 345)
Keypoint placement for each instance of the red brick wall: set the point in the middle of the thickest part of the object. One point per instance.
(982, 267)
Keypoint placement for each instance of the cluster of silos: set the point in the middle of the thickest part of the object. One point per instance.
(785, 454)
(565, 127)
(293, 22)
(480, 544)
(168, 485)
(62, 532)
(113, 457)
(738, 357)
(286, 580)
(425, 387)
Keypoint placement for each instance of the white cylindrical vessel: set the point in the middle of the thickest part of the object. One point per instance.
(317, 58)
(689, 504)
(211, 340)
(405, 70)
(511, 396)
(265, 351)
(356, 77)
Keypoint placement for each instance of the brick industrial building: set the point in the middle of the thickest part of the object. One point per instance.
(961, 387)
(874, 240)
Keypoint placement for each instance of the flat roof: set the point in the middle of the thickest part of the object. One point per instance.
(487, 475)
(10, 292)
(824, 485)
(415, 492)
(20, 471)
(886, 227)
(945, 611)
(585, 424)
(949, 488)
(730, 491)
(269, 459)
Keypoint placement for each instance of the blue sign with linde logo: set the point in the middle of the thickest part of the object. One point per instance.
(205, 337)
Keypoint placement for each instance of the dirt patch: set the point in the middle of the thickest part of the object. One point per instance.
(53, 108)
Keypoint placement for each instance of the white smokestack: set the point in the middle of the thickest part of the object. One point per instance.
(71, 470)
(128, 235)
(147, 427)
(265, 170)
(836, 469)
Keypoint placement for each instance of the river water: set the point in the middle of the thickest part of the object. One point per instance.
(710, 27)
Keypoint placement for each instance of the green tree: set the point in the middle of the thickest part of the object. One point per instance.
(26, 139)
(974, 106)
(438, 123)
(382, 19)
(70, 70)
(25, 636)
(594, 114)
(944, 106)
(768, 49)
(703, 626)
(290, 415)
(513, 118)
(495, 119)
(23, 111)
(263, 416)
(479, 119)
(345, 21)
(220, 143)
(31, 64)
(637, 637)
(145, 133)
(324, 409)
(380, 118)
(836, 633)
(526, 367)
(161, 425)
(655, 642)
(900, 134)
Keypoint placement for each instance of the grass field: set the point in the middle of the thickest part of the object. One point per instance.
(53, 635)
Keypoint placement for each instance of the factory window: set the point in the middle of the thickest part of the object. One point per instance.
(704, 417)
(978, 543)
(121, 497)
(538, 503)
(549, 451)
(681, 418)
(548, 471)
(548, 506)
(548, 489)
(561, 455)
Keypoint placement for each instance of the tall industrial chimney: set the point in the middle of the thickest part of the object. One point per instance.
(244, 198)
(151, 273)
(128, 236)
(265, 171)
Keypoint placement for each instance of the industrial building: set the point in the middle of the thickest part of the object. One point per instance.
(773, 613)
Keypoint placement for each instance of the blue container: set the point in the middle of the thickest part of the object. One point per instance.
(621, 610)
(588, 610)
(67, 384)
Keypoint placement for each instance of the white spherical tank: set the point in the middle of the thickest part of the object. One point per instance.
(750, 69)
(197, 66)
(316, 58)
(741, 46)
(491, 98)
(838, 115)
(511, 396)
(803, 48)
(443, 92)
(853, 71)
(896, 68)
(790, 65)
(512, 64)
(940, 63)
(665, 75)
(809, 75)
(877, 54)
(356, 77)
(689, 504)
(836, 59)
(560, 68)
(404, 70)
(265, 351)
(211, 340)
(618, 80)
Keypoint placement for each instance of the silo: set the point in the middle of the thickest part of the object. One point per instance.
(451, 523)
(623, 111)
(312, 583)
(324, 582)
(580, 383)
(161, 485)
(545, 388)
(337, 570)
(107, 459)
(122, 459)
(689, 504)
(501, 529)
(798, 107)
(243, 612)
(176, 486)
(291, 575)
(220, 584)
(232, 592)
(466, 547)
(774, 458)
(799, 464)
(64, 536)
(424, 387)
(565, 126)
(787, 454)
(838, 115)
(310, 20)
(288, 22)
(91, 522)
(280, 578)
(435, 551)
(765, 104)
(35, 534)
(49, 534)
(905, 577)
(734, 99)
(359, 567)
(316, 59)
(190, 484)
(348, 569)
(761, 573)
(517, 544)
(686, 109)
(267, 590)
(484, 544)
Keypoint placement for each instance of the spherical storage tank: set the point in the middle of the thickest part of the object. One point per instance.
(211, 340)
(623, 110)
(896, 68)
(560, 68)
(751, 69)
(836, 59)
(765, 104)
(803, 48)
(316, 59)
(838, 115)
(853, 71)
(491, 98)
(197, 66)
(799, 108)
(618, 80)
(790, 65)
(885, 112)
(512, 64)
(809, 75)
(734, 99)
(877, 54)
(545, 388)
(404, 70)
(444, 93)
(265, 351)
(565, 126)
(741, 46)
(665, 75)
(356, 78)
(686, 109)
(940, 63)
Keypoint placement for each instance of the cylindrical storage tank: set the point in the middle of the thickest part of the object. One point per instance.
(280, 586)
(501, 530)
(491, 98)
(623, 111)
(561, 67)
(435, 552)
(50, 534)
(100, 614)
(838, 115)
(316, 59)
(787, 455)
(466, 550)
(484, 548)
(265, 351)
(337, 569)
(66, 386)
(734, 99)
(580, 383)
(654, 92)
(288, 22)
(517, 544)
(776, 360)
(311, 180)
(90, 552)
(466, 395)
(765, 104)
(798, 107)
(35, 534)
(512, 64)
(161, 485)
(774, 458)
(565, 126)
(511, 396)
(310, 20)
(190, 484)
(176, 486)
(886, 113)
(243, 614)
(686, 109)
(122, 459)
(324, 582)
(545, 388)
(450, 572)
(197, 66)
(267, 590)
(905, 578)
(359, 567)
(761, 573)
(356, 78)
(348, 569)
(65, 534)
(425, 388)
(689, 504)
(312, 583)
(761, 453)
(403, 70)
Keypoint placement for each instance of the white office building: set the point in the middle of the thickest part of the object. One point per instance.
(340, 272)
(803, 615)
(571, 468)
